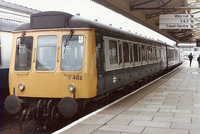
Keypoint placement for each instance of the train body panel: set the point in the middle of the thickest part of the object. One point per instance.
(127, 61)
(119, 78)
(51, 80)
(4, 78)
(6, 28)
(5, 52)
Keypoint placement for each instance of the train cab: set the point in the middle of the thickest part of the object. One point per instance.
(52, 61)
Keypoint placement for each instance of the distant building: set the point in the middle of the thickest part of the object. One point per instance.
(16, 13)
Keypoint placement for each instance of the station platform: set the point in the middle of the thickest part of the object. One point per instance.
(170, 104)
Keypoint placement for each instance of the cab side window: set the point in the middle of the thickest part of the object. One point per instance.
(135, 49)
(131, 53)
(143, 53)
(98, 54)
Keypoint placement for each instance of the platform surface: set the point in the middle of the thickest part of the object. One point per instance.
(170, 105)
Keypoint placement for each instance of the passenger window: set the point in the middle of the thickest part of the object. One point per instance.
(156, 55)
(23, 56)
(153, 54)
(120, 54)
(139, 53)
(135, 49)
(148, 53)
(46, 53)
(126, 51)
(160, 53)
(131, 54)
(143, 53)
(113, 52)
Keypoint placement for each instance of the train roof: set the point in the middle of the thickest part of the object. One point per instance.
(7, 26)
(55, 19)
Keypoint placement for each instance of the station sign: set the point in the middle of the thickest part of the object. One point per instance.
(176, 26)
(176, 16)
(176, 21)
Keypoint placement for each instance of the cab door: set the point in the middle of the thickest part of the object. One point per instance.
(100, 66)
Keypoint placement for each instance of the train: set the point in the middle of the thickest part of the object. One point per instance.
(60, 62)
(6, 28)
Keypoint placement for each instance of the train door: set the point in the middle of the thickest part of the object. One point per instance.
(120, 71)
(100, 65)
(167, 57)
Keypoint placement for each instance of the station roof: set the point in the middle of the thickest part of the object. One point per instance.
(146, 12)
(15, 13)
(17, 8)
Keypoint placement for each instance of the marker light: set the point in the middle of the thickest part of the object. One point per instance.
(21, 87)
(71, 88)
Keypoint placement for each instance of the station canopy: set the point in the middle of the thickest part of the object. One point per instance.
(147, 12)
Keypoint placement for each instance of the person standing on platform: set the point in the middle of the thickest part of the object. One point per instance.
(190, 58)
(198, 59)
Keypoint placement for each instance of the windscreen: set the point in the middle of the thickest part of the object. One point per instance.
(46, 53)
(72, 53)
(23, 56)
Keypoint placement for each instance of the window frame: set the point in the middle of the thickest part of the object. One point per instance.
(111, 53)
(107, 65)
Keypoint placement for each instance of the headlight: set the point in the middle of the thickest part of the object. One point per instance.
(21, 87)
(71, 88)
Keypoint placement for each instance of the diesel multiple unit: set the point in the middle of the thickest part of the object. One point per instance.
(60, 61)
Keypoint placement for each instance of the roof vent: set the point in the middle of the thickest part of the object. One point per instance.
(49, 19)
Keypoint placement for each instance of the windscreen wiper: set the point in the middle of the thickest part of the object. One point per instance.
(22, 38)
(68, 39)
(21, 42)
